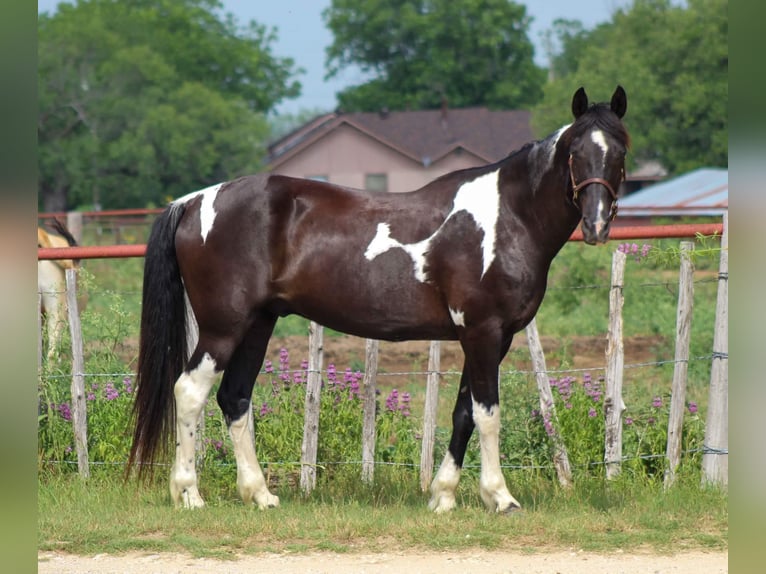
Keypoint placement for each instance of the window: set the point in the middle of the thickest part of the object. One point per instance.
(376, 182)
(318, 178)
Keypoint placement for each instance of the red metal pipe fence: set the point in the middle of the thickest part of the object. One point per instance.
(618, 233)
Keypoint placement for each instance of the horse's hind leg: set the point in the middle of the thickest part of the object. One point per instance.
(234, 398)
(191, 391)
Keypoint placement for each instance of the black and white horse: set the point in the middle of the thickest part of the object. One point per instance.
(465, 258)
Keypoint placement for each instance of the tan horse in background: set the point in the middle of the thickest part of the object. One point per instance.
(51, 284)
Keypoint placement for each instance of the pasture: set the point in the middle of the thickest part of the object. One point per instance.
(344, 515)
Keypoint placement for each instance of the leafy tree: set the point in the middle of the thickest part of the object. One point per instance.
(673, 62)
(467, 52)
(146, 100)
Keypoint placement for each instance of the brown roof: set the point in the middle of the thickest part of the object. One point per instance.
(425, 136)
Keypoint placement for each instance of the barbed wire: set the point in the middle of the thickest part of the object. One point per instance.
(447, 373)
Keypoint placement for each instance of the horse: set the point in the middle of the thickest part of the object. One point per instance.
(51, 284)
(466, 257)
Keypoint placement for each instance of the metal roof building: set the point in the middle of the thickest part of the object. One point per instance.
(702, 192)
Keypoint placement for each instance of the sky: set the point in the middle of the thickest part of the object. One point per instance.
(302, 36)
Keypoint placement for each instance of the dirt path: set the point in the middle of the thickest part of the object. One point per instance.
(465, 562)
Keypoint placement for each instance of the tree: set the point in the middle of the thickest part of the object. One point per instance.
(673, 62)
(146, 100)
(422, 52)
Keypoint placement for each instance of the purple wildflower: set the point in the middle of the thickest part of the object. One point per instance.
(692, 407)
(392, 402)
(65, 411)
(91, 396)
(110, 392)
(332, 375)
(404, 405)
(628, 421)
(284, 365)
(127, 382)
(592, 412)
(657, 402)
(265, 409)
(268, 367)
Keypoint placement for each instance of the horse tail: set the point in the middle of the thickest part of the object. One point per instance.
(162, 350)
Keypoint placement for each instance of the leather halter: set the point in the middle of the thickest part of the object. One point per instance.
(576, 187)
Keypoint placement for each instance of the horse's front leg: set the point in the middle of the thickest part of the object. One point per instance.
(483, 351)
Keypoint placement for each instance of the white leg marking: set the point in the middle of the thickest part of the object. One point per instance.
(444, 486)
(191, 391)
(492, 487)
(458, 317)
(206, 211)
(479, 197)
(250, 481)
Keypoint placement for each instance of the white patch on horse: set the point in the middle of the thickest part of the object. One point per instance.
(206, 210)
(541, 156)
(458, 317)
(600, 222)
(479, 197)
(597, 136)
(381, 243)
(251, 483)
(190, 391)
(492, 487)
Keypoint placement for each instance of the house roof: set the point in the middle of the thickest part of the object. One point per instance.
(704, 191)
(425, 136)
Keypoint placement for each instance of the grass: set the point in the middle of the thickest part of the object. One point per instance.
(105, 515)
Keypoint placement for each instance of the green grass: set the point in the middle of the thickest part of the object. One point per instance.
(105, 515)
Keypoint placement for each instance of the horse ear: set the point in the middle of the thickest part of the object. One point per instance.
(579, 103)
(619, 103)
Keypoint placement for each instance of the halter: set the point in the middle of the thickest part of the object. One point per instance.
(576, 187)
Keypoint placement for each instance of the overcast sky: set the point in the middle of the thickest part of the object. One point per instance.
(303, 36)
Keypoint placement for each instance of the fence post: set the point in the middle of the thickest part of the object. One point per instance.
(368, 422)
(681, 365)
(79, 412)
(311, 417)
(547, 406)
(715, 459)
(74, 224)
(615, 359)
(429, 415)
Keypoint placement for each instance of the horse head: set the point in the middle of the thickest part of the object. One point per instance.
(597, 161)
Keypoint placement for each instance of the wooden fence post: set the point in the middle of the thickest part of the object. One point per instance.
(311, 416)
(79, 412)
(368, 422)
(715, 459)
(547, 406)
(429, 416)
(74, 224)
(681, 365)
(615, 360)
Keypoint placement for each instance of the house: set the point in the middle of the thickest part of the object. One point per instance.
(703, 192)
(397, 151)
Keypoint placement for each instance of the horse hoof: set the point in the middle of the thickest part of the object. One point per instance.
(511, 509)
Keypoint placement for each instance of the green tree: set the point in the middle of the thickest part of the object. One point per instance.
(146, 100)
(422, 52)
(672, 60)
